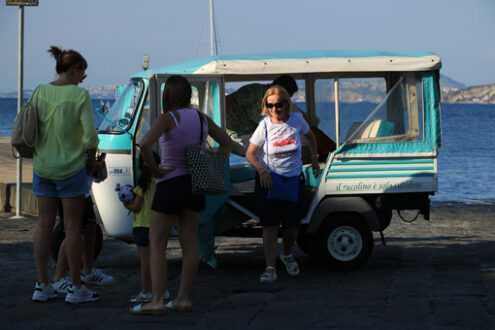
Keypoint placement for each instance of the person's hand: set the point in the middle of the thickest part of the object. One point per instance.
(265, 179)
(162, 171)
(100, 171)
(90, 166)
(315, 165)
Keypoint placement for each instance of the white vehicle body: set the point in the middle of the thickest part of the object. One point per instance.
(386, 160)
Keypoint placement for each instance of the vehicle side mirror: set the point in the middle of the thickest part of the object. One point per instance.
(103, 108)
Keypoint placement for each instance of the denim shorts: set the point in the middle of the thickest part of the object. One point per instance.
(141, 236)
(74, 186)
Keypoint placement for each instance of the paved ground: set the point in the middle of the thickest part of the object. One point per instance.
(431, 275)
(8, 173)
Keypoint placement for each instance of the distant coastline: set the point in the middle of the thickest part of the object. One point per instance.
(350, 92)
(96, 92)
(484, 94)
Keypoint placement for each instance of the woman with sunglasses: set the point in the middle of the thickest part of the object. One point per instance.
(278, 135)
(60, 169)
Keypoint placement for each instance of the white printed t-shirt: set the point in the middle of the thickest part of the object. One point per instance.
(284, 144)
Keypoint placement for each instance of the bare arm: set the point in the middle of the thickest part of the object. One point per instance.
(314, 155)
(265, 179)
(91, 161)
(220, 136)
(162, 124)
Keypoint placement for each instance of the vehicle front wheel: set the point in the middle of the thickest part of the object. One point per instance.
(346, 241)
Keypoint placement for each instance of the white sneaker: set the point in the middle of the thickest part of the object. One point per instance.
(146, 297)
(80, 295)
(98, 277)
(44, 292)
(62, 285)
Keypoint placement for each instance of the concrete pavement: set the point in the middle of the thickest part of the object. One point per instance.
(431, 275)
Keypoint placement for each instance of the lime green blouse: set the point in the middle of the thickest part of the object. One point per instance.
(66, 131)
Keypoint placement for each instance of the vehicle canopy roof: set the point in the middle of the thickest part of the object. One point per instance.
(303, 62)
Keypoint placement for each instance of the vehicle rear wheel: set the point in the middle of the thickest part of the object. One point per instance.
(346, 241)
(58, 236)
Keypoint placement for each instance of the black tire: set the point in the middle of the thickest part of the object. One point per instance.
(58, 236)
(307, 243)
(345, 241)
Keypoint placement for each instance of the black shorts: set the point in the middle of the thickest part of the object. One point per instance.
(174, 195)
(89, 215)
(141, 236)
(276, 213)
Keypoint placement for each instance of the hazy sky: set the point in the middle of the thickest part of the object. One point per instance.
(114, 34)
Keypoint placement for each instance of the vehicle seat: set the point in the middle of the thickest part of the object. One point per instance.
(370, 129)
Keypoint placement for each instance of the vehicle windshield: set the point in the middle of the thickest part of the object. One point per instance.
(119, 118)
(395, 119)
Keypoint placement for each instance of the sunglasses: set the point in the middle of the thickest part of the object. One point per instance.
(276, 105)
(83, 77)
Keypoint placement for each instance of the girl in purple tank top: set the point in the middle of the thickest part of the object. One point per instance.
(176, 129)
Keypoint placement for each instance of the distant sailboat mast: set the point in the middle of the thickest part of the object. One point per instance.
(213, 51)
(213, 41)
(210, 20)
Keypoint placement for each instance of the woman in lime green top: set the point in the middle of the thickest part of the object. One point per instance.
(60, 169)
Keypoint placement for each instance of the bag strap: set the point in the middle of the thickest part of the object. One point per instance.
(35, 94)
(266, 143)
(174, 118)
(201, 128)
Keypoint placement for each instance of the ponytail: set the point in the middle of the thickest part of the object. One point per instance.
(66, 59)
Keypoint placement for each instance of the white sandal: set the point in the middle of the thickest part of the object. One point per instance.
(268, 276)
(291, 266)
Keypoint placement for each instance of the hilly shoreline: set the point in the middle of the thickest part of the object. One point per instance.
(351, 91)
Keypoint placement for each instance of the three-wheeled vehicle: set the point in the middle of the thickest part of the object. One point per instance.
(386, 147)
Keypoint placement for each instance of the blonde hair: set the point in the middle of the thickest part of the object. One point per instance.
(274, 90)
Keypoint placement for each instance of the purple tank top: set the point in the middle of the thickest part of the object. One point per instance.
(173, 143)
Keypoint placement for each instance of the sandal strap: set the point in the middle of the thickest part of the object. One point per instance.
(271, 268)
(292, 267)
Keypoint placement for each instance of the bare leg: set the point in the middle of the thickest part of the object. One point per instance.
(289, 239)
(62, 265)
(144, 254)
(188, 238)
(47, 208)
(88, 252)
(270, 242)
(73, 213)
(161, 225)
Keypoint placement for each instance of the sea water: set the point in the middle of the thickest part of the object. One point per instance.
(466, 171)
(8, 112)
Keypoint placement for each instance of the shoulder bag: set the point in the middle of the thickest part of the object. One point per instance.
(25, 131)
(207, 167)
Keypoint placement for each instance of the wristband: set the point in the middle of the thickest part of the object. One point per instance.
(263, 171)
